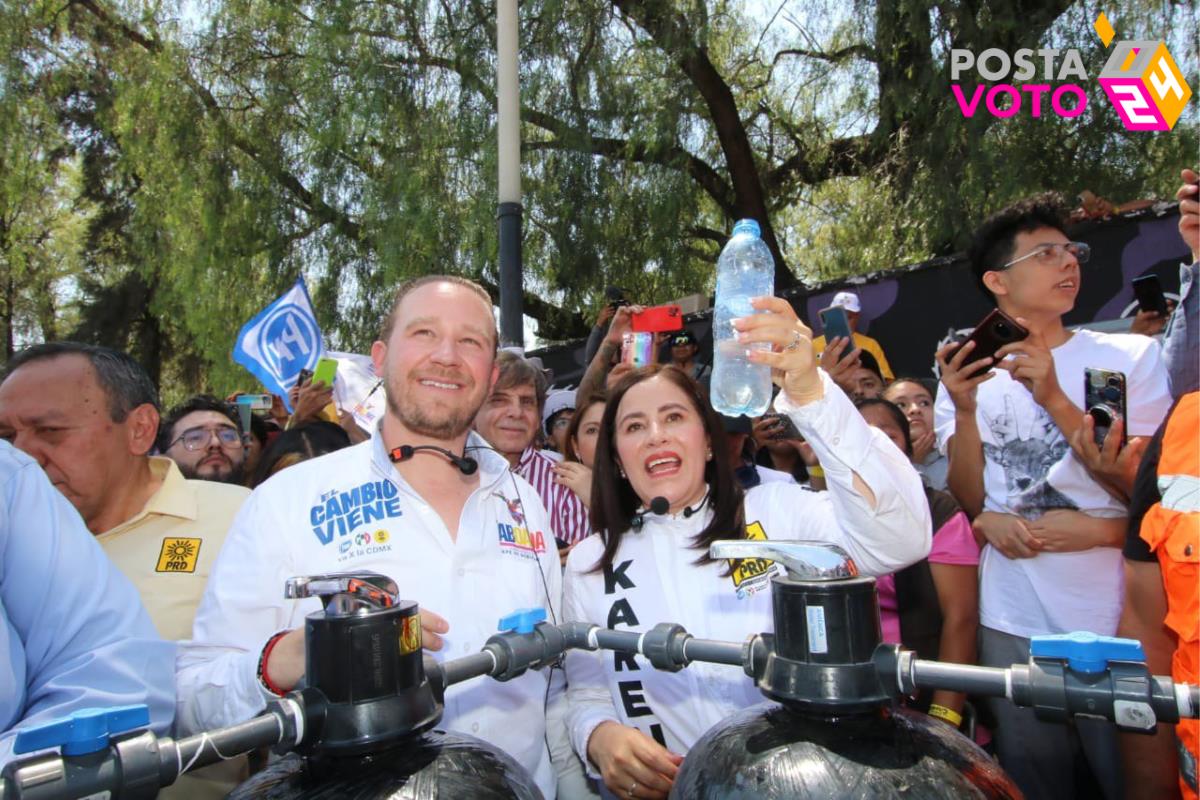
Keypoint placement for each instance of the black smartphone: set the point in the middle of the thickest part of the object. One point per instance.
(304, 376)
(835, 324)
(993, 332)
(1149, 294)
(787, 428)
(1104, 399)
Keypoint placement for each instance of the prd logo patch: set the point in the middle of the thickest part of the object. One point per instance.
(753, 574)
(178, 555)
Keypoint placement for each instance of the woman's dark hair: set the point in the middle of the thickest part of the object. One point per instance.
(598, 396)
(614, 502)
(930, 386)
(298, 444)
(897, 416)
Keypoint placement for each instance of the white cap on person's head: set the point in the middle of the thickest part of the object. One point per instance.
(848, 301)
(556, 401)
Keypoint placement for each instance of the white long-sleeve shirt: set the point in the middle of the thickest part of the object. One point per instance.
(653, 579)
(351, 510)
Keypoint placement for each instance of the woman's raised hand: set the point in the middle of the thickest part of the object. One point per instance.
(791, 358)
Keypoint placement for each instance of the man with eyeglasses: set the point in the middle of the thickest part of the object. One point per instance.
(89, 416)
(202, 437)
(1051, 530)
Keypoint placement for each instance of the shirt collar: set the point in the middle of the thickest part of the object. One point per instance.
(174, 497)
(526, 458)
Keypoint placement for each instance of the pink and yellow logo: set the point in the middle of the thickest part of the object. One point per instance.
(1143, 82)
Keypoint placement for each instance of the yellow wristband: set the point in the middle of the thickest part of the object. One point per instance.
(947, 714)
(815, 472)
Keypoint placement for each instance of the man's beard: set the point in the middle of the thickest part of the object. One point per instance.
(443, 423)
(231, 474)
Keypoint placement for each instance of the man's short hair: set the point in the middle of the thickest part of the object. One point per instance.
(992, 242)
(413, 284)
(868, 362)
(125, 383)
(516, 371)
(199, 402)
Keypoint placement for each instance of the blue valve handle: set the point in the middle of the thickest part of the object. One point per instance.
(522, 620)
(85, 731)
(1086, 652)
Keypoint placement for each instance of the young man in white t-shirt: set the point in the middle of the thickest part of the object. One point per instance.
(1051, 530)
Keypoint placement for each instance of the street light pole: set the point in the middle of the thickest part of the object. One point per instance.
(508, 111)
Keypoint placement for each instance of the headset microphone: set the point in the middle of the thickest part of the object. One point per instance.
(466, 465)
(660, 505)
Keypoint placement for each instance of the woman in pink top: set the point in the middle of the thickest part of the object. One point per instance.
(933, 606)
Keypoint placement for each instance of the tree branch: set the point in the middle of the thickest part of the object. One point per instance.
(836, 57)
(534, 306)
(670, 32)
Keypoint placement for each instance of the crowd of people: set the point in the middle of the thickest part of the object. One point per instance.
(143, 555)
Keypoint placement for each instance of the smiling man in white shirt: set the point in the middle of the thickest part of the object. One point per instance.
(468, 544)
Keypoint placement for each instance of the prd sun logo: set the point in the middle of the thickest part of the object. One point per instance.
(178, 555)
(1143, 82)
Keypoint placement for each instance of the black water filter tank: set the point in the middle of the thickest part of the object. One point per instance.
(834, 732)
(427, 766)
(370, 704)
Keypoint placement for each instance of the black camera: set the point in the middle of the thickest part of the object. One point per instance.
(616, 297)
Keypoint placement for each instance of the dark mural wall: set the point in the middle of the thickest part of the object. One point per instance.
(911, 310)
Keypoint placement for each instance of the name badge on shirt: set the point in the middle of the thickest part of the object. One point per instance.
(178, 555)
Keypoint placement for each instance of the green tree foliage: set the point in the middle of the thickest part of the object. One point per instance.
(224, 148)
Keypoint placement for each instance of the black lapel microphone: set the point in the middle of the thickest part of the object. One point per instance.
(660, 505)
(466, 465)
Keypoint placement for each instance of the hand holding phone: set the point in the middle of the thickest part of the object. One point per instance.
(637, 348)
(994, 331)
(326, 370)
(785, 429)
(1149, 294)
(835, 324)
(658, 319)
(1104, 401)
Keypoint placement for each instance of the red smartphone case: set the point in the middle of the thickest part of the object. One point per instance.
(658, 320)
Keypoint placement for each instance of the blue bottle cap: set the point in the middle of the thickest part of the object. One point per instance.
(749, 226)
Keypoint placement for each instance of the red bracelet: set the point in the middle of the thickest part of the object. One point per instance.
(262, 664)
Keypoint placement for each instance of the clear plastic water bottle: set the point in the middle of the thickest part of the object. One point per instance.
(745, 270)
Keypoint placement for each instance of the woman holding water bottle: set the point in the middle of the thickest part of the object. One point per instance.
(663, 491)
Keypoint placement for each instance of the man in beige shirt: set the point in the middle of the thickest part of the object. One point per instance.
(89, 416)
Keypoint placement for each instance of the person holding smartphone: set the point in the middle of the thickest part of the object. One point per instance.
(849, 302)
(1050, 530)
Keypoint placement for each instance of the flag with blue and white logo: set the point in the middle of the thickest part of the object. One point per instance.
(281, 340)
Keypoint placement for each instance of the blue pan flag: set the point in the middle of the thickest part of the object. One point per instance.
(281, 340)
